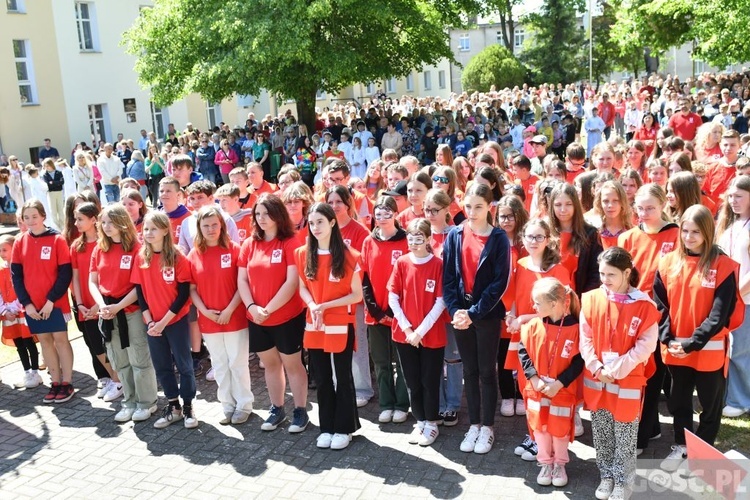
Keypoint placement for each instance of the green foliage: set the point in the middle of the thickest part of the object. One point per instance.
(609, 55)
(556, 51)
(495, 65)
(292, 48)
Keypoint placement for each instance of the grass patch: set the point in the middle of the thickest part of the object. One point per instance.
(734, 434)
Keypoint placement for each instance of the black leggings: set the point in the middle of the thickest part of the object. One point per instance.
(28, 353)
(478, 348)
(423, 368)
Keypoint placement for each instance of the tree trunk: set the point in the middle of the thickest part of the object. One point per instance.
(306, 110)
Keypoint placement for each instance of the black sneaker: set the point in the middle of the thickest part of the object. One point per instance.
(197, 367)
(64, 394)
(450, 418)
(277, 416)
(52, 394)
(299, 420)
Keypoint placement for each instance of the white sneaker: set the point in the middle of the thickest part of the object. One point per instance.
(559, 476)
(210, 375)
(362, 402)
(429, 435)
(520, 407)
(143, 414)
(400, 416)
(470, 439)
(675, 459)
(385, 416)
(545, 475)
(578, 424)
(340, 441)
(114, 392)
(485, 440)
(324, 440)
(416, 433)
(33, 379)
(506, 408)
(604, 490)
(619, 492)
(124, 415)
(169, 416)
(732, 412)
(103, 386)
(21, 383)
(189, 418)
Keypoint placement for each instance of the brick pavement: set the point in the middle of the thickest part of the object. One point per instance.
(76, 450)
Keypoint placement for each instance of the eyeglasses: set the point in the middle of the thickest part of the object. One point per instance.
(441, 180)
(384, 215)
(432, 211)
(534, 237)
(506, 218)
(415, 239)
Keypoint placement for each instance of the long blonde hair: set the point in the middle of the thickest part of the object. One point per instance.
(119, 217)
(701, 217)
(169, 251)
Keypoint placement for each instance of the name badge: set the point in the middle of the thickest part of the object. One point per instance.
(276, 256)
(430, 286)
(126, 261)
(167, 274)
(46, 253)
(226, 260)
(609, 357)
(347, 242)
(567, 349)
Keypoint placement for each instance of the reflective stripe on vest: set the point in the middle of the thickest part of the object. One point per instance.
(513, 346)
(714, 345)
(329, 329)
(534, 405)
(559, 411)
(612, 389)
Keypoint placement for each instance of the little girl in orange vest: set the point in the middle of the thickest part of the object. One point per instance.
(618, 337)
(550, 372)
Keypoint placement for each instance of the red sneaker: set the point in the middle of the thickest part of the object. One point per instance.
(64, 394)
(52, 394)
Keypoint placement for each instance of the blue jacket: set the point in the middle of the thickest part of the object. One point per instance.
(492, 275)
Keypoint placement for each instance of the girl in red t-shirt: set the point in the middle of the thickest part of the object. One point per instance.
(161, 275)
(268, 282)
(415, 297)
(213, 268)
(133, 202)
(611, 204)
(114, 296)
(85, 216)
(41, 272)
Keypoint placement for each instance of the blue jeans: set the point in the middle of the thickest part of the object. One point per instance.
(451, 386)
(174, 342)
(738, 378)
(112, 193)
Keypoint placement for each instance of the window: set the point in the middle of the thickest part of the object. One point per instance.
(245, 101)
(700, 66)
(98, 123)
(85, 22)
(427, 80)
(410, 82)
(213, 113)
(370, 88)
(441, 79)
(16, 6)
(499, 37)
(390, 86)
(25, 72)
(320, 95)
(463, 43)
(159, 119)
(519, 35)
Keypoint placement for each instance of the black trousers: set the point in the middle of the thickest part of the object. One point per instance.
(28, 353)
(99, 369)
(505, 381)
(337, 406)
(422, 368)
(478, 348)
(649, 424)
(710, 387)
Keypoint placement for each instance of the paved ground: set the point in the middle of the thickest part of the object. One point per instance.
(76, 450)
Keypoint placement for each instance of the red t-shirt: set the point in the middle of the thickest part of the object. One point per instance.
(114, 269)
(570, 175)
(160, 285)
(176, 224)
(354, 234)
(244, 227)
(471, 250)
(40, 257)
(418, 286)
(214, 273)
(685, 126)
(266, 264)
(528, 186)
(377, 260)
(717, 181)
(81, 262)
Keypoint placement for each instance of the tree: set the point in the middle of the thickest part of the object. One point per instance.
(504, 10)
(292, 48)
(609, 55)
(494, 65)
(715, 29)
(555, 53)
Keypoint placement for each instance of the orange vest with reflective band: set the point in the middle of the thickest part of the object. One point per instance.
(551, 355)
(628, 321)
(691, 297)
(325, 288)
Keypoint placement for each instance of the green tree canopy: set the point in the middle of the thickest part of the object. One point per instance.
(495, 65)
(292, 48)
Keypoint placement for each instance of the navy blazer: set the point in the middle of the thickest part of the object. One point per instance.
(492, 275)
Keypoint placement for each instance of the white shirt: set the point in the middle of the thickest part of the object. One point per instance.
(735, 242)
(189, 229)
(109, 168)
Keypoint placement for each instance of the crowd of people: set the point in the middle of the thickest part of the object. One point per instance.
(452, 247)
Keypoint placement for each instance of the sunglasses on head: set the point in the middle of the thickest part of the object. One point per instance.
(442, 180)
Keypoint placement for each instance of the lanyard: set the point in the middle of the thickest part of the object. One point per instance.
(552, 354)
(610, 328)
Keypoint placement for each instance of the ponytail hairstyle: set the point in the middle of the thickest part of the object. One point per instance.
(119, 218)
(91, 211)
(169, 251)
(552, 290)
(686, 191)
(484, 192)
(387, 203)
(346, 196)
(520, 215)
(490, 175)
(211, 210)
(551, 255)
(337, 247)
(701, 217)
(423, 227)
(727, 217)
(619, 258)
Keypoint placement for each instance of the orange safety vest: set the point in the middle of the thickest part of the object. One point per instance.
(324, 288)
(616, 328)
(690, 298)
(551, 348)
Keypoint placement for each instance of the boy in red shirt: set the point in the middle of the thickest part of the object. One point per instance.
(238, 177)
(685, 123)
(230, 201)
(522, 172)
(170, 195)
(575, 161)
(721, 174)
